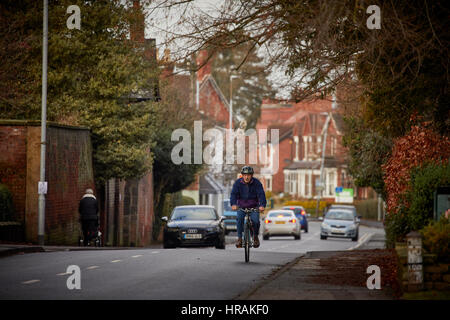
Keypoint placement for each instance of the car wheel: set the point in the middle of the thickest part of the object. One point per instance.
(298, 237)
(323, 237)
(306, 230)
(167, 245)
(355, 238)
(221, 244)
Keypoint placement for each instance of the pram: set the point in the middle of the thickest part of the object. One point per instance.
(95, 237)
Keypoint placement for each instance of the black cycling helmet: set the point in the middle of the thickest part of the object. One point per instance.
(247, 170)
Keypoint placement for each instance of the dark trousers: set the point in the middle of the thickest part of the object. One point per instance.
(89, 230)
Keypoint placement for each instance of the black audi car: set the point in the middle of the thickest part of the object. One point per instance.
(194, 225)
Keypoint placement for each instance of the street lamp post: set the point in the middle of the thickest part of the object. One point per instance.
(41, 189)
(231, 100)
(231, 124)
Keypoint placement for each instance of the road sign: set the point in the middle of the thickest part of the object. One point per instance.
(338, 189)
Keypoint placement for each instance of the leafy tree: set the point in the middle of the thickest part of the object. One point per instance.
(174, 113)
(92, 73)
(251, 84)
(401, 70)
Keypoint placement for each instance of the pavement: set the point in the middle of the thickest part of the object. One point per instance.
(308, 278)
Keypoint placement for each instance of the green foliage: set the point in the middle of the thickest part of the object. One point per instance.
(416, 209)
(251, 84)
(6, 204)
(188, 201)
(92, 72)
(424, 181)
(368, 151)
(436, 239)
(395, 227)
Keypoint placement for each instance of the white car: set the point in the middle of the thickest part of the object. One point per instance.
(281, 223)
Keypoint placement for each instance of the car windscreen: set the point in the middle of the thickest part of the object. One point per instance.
(193, 214)
(283, 214)
(226, 205)
(339, 215)
(353, 209)
(297, 211)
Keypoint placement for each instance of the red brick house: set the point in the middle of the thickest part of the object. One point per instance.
(301, 132)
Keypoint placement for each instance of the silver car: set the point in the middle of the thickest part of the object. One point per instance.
(340, 223)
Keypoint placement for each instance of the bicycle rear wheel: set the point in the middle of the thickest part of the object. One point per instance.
(247, 243)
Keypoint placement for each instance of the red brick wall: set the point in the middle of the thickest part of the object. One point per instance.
(13, 165)
(68, 173)
(128, 216)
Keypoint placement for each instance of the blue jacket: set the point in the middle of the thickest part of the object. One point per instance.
(249, 195)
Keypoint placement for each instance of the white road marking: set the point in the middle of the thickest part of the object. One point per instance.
(155, 252)
(92, 267)
(114, 261)
(137, 256)
(362, 240)
(63, 274)
(30, 281)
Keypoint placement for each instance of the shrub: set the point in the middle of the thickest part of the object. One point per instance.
(421, 145)
(436, 239)
(424, 181)
(6, 204)
(188, 201)
(395, 227)
(309, 205)
(415, 209)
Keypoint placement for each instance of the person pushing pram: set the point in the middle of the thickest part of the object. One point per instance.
(88, 210)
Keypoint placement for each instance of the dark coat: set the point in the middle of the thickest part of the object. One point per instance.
(249, 195)
(88, 208)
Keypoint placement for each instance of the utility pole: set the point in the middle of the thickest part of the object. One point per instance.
(42, 189)
(319, 194)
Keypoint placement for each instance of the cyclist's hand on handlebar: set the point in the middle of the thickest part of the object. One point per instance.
(261, 209)
(234, 208)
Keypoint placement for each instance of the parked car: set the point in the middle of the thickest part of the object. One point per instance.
(281, 223)
(340, 223)
(194, 225)
(229, 217)
(301, 215)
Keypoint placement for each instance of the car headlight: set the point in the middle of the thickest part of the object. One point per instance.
(351, 227)
(325, 225)
(212, 229)
(172, 229)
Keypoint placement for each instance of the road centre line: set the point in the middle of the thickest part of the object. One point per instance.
(30, 281)
(137, 256)
(114, 261)
(92, 267)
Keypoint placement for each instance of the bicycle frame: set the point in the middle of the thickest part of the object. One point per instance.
(248, 231)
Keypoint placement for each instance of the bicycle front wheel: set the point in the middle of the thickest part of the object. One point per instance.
(247, 243)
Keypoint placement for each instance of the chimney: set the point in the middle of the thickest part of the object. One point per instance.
(204, 70)
(137, 27)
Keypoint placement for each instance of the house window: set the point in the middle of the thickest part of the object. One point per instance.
(333, 146)
(269, 184)
(293, 183)
(286, 182)
(331, 184)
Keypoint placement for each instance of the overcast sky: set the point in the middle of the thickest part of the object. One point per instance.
(160, 20)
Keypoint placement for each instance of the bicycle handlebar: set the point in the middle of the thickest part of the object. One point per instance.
(247, 210)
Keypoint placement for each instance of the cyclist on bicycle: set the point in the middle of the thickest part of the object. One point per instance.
(247, 192)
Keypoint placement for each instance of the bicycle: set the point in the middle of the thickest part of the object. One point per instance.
(248, 231)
